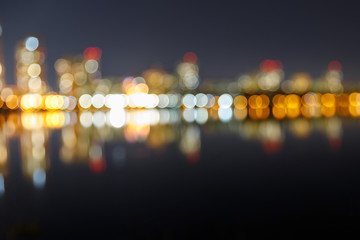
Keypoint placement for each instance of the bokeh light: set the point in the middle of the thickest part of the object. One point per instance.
(31, 43)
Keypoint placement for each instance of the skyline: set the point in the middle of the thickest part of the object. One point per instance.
(266, 66)
(306, 42)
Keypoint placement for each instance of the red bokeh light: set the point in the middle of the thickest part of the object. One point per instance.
(193, 158)
(334, 66)
(92, 53)
(270, 65)
(97, 165)
(272, 147)
(190, 57)
(335, 143)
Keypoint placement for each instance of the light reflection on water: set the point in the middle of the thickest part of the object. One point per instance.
(83, 135)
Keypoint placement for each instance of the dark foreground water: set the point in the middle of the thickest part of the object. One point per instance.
(244, 179)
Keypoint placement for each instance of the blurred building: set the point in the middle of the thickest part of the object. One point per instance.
(72, 78)
(92, 62)
(159, 81)
(81, 74)
(299, 83)
(188, 72)
(333, 77)
(30, 69)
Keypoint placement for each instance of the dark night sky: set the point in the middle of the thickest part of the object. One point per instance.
(230, 37)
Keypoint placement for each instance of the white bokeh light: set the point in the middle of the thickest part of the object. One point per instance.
(189, 101)
(225, 100)
(31, 43)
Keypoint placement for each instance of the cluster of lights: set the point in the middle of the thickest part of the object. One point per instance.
(133, 100)
(38, 120)
(312, 105)
(281, 106)
(221, 107)
(225, 108)
(31, 102)
(30, 58)
(118, 118)
(270, 78)
(188, 72)
(75, 74)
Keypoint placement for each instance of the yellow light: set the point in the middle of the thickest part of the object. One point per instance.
(30, 101)
(300, 127)
(3, 154)
(12, 102)
(55, 119)
(31, 120)
(216, 104)
(279, 100)
(240, 102)
(279, 112)
(343, 100)
(292, 101)
(54, 102)
(259, 101)
(354, 111)
(60, 102)
(34, 70)
(240, 114)
(133, 132)
(310, 111)
(328, 111)
(264, 101)
(252, 101)
(259, 113)
(48, 102)
(354, 99)
(293, 112)
(301, 82)
(213, 113)
(141, 88)
(328, 100)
